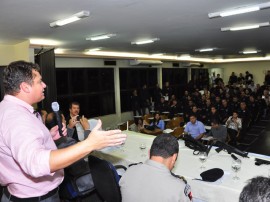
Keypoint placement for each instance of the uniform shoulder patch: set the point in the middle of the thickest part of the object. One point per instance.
(187, 192)
(179, 177)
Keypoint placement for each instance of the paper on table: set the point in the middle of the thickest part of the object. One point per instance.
(168, 130)
(207, 138)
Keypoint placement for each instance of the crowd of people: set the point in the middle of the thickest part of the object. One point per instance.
(236, 105)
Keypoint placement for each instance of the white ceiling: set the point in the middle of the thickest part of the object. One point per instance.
(181, 25)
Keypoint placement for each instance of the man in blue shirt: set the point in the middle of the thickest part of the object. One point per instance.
(195, 128)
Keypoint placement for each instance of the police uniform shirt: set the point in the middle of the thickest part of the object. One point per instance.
(153, 181)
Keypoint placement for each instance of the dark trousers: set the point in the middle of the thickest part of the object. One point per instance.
(233, 136)
(54, 198)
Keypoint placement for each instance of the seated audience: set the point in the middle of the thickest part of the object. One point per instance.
(157, 122)
(138, 126)
(167, 91)
(257, 189)
(218, 80)
(240, 79)
(174, 109)
(233, 78)
(162, 106)
(234, 125)
(225, 111)
(196, 112)
(135, 103)
(51, 121)
(267, 78)
(77, 123)
(212, 115)
(218, 132)
(248, 78)
(153, 180)
(195, 128)
(145, 99)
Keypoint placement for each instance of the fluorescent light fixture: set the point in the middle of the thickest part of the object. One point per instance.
(255, 26)
(73, 18)
(157, 54)
(184, 57)
(59, 51)
(205, 50)
(100, 37)
(46, 42)
(250, 52)
(146, 56)
(145, 41)
(174, 58)
(240, 10)
(92, 50)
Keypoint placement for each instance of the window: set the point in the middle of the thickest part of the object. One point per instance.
(200, 77)
(93, 88)
(135, 78)
(177, 77)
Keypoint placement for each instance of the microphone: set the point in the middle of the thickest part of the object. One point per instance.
(55, 108)
(234, 157)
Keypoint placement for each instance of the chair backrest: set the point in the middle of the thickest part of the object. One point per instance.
(174, 122)
(122, 126)
(163, 116)
(146, 117)
(105, 179)
(178, 132)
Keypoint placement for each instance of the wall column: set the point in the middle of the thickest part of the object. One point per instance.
(159, 77)
(117, 93)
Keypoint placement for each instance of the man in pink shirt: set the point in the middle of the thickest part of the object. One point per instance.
(31, 165)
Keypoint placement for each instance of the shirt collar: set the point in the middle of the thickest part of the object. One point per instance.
(11, 98)
(156, 165)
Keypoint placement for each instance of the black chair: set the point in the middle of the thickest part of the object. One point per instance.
(105, 179)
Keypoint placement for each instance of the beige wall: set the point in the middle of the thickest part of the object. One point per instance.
(258, 69)
(10, 53)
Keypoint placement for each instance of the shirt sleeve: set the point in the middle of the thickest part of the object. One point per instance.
(187, 128)
(202, 128)
(239, 123)
(161, 125)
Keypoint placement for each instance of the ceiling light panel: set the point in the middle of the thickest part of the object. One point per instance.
(205, 50)
(145, 41)
(73, 18)
(254, 26)
(240, 10)
(100, 37)
(250, 52)
(46, 42)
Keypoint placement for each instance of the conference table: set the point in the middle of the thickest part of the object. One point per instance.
(188, 165)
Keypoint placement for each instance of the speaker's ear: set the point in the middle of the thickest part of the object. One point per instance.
(25, 87)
